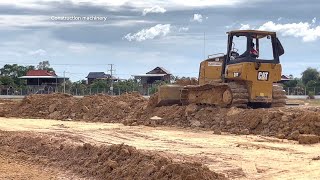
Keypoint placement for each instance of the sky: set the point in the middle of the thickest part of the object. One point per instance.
(82, 36)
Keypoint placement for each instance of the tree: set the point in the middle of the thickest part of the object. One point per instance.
(312, 84)
(6, 80)
(78, 87)
(14, 71)
(99, 85)
(125, 86)
(310, 74)
(44, 65)
(291, 83)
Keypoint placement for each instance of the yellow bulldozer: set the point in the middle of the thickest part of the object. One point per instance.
(246, 75)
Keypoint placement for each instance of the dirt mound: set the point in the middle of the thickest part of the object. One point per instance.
(133, 109)
(100, 162)
(93, 108)
(187, 81)
(279, 122)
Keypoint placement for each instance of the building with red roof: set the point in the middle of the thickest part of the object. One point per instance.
(40, 73)
(43, 81)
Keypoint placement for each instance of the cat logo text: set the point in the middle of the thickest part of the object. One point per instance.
(263, 76)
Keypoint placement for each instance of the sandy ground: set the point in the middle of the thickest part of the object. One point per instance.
(13, 169)
(239, 157)
(16, 169)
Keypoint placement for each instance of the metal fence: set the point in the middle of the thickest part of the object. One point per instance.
(302, 90)
(298, 91)
(79, 92)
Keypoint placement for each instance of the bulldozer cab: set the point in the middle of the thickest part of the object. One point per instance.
(253, 46)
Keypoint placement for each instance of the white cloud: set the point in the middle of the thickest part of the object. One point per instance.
(245, 27)
(156, 31)
(314, 20)
(38, 52)
(302, 29)
(280, 18)
(197, 17)
(183, 29)
(154, 9)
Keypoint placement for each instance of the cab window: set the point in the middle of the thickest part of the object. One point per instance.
(265, 48)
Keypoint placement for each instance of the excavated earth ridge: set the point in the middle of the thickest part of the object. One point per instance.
(99, 162)
(292, 123)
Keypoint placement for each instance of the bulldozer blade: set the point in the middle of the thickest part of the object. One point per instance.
(169, 95)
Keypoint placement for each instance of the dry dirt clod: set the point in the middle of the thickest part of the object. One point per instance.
(195, 123)
(52, 108)
(190, 109)
(308, 139)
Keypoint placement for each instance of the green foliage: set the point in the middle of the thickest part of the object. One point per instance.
(125, 86)
(100, 84)
(312, 83)
(79, 87)
(14, 71)
(7, 81)
(10, 73)
(310, 74)
(291, 83)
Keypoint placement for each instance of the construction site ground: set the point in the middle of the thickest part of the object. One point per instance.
(133, 140)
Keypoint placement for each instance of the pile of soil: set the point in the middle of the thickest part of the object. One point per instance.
(285, 122)
(92, 108)
(134, 109)
(187, 81)
(100, 162)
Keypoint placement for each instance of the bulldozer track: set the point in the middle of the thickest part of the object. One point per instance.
(239, 94)
(278, 96)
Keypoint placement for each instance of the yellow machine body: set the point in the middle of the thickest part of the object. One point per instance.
(235, 79)
(259, 80)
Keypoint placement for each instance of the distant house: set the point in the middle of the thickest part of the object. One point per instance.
(92, 76)
(42, 81)
(285, 78)
(148, 79)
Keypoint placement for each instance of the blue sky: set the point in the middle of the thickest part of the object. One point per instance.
(140, 35)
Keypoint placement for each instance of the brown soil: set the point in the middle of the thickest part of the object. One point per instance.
(14, 169)
(186, 81)
(100, 162)
(133, 109)
(94, 108)
(235, 156)
(283, 123)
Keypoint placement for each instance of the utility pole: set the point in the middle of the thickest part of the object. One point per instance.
(111, 74)
(64, 82)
